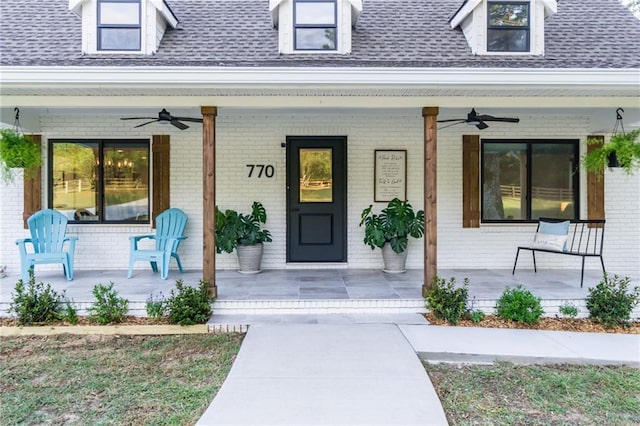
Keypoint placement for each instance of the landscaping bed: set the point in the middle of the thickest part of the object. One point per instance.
(553, 324)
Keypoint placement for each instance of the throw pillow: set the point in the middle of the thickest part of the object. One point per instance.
(549, 241)
(555, 228)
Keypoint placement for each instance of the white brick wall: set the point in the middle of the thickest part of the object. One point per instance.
(246, 139)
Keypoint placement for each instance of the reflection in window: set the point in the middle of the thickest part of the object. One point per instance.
(315, 24)
(508, 27)
(523, 181)
(98, 181)
(119, 25)
(316, 176)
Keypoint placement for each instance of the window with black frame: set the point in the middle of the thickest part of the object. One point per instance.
(100, 181)
(508, 27)
(119, 25)
(523, 180)
(314, 23)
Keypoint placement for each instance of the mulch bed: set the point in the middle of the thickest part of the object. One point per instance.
(555, 324)
(128, 320)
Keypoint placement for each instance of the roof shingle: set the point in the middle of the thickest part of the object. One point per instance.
(389, 33)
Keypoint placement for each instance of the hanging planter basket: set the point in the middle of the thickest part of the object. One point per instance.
(612, 160)
(621, 151)
(18, 151)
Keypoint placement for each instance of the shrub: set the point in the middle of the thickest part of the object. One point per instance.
(156, 306)
(69, 313)
(108, 307)
(476, 316)
(446, 301)
(569, 310)
(189, 305)
(518, 304)
(36, 303)
(611, 302)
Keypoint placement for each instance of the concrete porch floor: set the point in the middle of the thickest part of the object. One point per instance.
(314, 288)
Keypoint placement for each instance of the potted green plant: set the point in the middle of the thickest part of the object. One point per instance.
(17, 151)
(243, 233)
(390, 230)
(622, 150)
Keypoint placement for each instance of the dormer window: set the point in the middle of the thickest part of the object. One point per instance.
(119, 25)
(315, 24)
(508, 27)
(134, 27)
(494, 27)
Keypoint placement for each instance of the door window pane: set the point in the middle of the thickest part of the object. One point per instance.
(316, 175)
(504, 176)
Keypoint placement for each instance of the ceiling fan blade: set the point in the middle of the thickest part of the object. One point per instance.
(144, 124)
(178, 124)
(452, 124)
(190, 119)
(460, 120)
(138, 118)
(482, 125)
(503, 119)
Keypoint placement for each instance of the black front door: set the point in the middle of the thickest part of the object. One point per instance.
(316, 198)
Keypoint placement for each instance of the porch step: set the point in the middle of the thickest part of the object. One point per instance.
(223, 323)
(318, 306)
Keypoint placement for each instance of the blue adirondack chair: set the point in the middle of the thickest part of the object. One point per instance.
(48, 230)
(170, 226)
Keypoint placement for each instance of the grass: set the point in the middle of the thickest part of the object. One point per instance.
(507, 394)
(97, 380)
(170, 380)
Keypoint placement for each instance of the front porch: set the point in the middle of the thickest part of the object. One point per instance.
(316, 292)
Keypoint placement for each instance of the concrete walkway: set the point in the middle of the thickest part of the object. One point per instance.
(353, 371)
(322, 374)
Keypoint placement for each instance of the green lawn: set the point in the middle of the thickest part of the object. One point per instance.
(507, 394)
(115, 380)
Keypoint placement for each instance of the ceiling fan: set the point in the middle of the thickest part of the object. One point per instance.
(479, 120)
(164, 117)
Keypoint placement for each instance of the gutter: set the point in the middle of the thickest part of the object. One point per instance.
(251, 77)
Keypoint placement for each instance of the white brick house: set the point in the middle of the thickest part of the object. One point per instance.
(241, 58)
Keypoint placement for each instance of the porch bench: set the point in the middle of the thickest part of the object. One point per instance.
(582, 238)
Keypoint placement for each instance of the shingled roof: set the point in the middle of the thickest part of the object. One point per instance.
(389, 33)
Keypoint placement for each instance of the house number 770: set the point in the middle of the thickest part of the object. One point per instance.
(261, 170)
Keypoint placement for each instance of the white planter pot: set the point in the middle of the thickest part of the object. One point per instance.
(394, 263)
(249, 258)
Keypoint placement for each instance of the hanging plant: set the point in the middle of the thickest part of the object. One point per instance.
(18, 151)
(624, 147)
